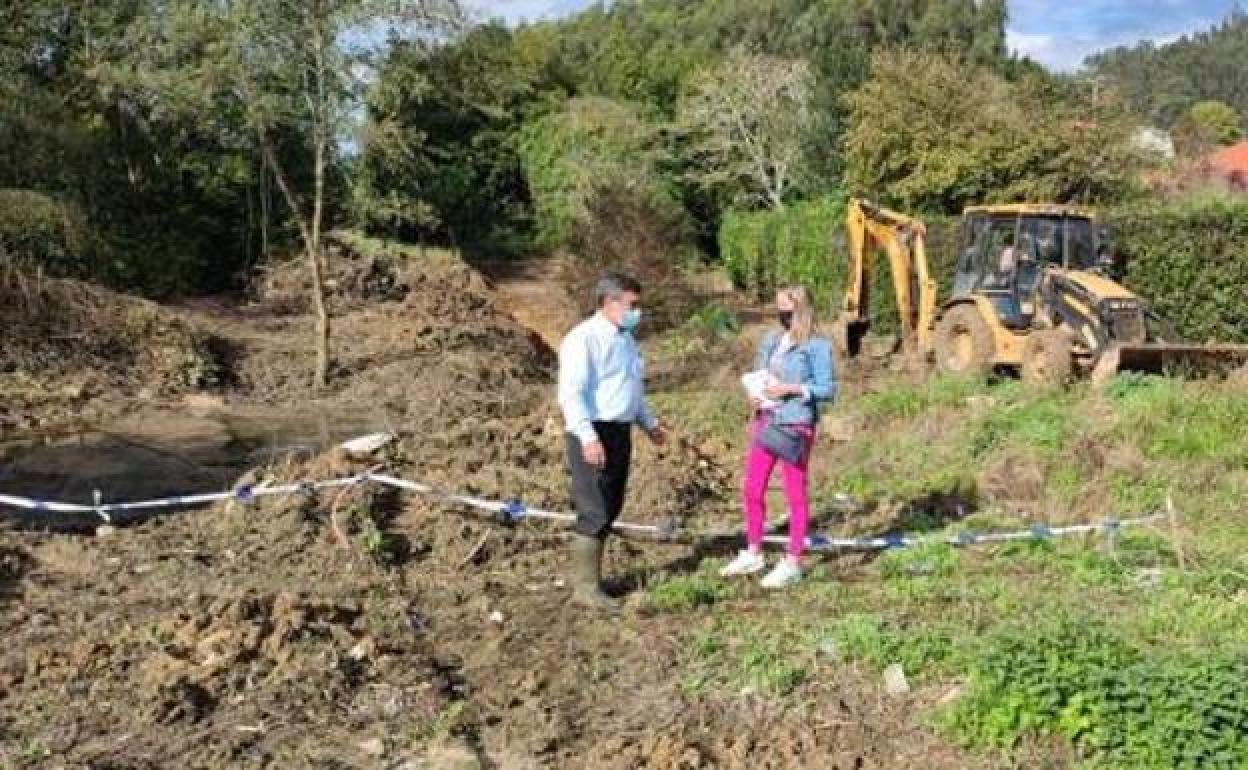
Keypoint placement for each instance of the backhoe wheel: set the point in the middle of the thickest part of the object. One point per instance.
(964, 343)
(1048, 361)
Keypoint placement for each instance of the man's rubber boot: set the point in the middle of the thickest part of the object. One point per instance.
(587, 576)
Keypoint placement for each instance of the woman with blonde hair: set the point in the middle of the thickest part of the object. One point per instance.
(800, 378)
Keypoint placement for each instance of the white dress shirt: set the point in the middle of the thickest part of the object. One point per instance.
(601, 377)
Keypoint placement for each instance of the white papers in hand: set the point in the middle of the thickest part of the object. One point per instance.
(755, 383)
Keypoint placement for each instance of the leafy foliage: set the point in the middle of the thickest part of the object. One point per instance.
(589, 145)
(765, 249)
(928, 133)
(1218, 119)
(439, 156)
(39, 231)
(749, 116)
(1190, 259)
(1125, 708)
(166, 203)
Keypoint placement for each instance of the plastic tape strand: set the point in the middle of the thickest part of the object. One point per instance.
(513, 510)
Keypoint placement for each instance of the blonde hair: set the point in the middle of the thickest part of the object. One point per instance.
(803, 326)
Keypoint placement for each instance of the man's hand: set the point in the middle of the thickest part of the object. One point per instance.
(658, 434)
(594, 454)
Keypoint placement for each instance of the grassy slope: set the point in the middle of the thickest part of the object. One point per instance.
(1049, 653)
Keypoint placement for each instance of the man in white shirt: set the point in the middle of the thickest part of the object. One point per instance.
(602, 395)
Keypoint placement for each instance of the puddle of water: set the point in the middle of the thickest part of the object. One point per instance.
(168, 453)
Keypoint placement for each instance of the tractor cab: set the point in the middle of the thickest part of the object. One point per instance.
(1003, 251)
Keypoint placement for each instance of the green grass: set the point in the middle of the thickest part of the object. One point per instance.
(910, 400)
(683, 593)
(1173, 420)
(920, 650)
(1044, 423)
(1117, 648)
(735, 656)
(1123, 706)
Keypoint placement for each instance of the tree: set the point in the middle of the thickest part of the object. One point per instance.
(1206, 125)
(1161, 83)
(170, 203)
(591, 145)
(439, 155)
(929, 132)
(750, 116)
(281, 63)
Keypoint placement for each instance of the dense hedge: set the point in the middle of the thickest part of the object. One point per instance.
(1190, 259)
(806, 243)
(765, 249)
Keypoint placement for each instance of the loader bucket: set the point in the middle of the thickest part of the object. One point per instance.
(1180, 360)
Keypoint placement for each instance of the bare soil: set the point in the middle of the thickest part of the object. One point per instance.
(368, 629)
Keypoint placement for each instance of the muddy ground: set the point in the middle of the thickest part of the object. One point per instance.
(364, 628)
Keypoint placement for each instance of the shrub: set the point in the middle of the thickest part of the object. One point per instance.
(798, 244)
(40, 231)
(1190, 259)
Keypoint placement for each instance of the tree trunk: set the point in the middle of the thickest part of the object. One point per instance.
(319, 303)
(310, 235)
(320, 139)
(322, 318)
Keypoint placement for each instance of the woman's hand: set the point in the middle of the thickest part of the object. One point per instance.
(755, 404)
(779, 390)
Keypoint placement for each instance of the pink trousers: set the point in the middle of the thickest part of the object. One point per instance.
(759, 463)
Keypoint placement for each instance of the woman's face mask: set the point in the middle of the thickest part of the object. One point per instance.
(785, 317)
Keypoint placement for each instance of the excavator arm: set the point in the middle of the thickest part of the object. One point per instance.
(904, 239)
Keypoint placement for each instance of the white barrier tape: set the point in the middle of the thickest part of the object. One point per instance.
(1039, 532)
(182, 501)
(514, 510)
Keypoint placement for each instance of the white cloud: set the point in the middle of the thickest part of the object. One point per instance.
(517, 11)
(1037, 45)
(1061, 33)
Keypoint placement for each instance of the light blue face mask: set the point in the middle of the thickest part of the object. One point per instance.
(631, 319)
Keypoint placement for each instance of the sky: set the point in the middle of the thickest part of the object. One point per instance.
(1056, 33)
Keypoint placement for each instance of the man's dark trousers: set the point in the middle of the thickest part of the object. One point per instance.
(599, 494)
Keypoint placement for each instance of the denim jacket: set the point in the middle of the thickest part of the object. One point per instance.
(809, 365)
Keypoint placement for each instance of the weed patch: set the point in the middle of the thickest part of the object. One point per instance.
(1045, 424)
(683, 593)
(880, 644)
(908, 400)
(1120, 707)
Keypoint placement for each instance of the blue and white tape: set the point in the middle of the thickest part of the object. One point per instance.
(514, 510)
(1036, 532)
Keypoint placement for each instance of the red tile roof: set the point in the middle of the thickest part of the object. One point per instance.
(1229, 160)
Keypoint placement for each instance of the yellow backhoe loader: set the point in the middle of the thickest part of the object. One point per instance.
(1031, 292)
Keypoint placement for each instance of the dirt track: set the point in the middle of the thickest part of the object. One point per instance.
(366, 629)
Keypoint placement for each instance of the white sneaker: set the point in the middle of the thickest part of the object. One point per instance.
(746, 563)
(784, 574)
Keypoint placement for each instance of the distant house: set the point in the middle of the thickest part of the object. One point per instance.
(1228, 165)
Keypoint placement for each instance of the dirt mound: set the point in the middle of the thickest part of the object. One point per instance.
(438, 351)
(63, 342)
(358, 271)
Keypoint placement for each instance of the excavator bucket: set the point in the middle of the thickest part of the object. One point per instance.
(1180, 360)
